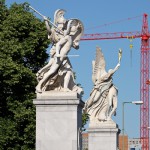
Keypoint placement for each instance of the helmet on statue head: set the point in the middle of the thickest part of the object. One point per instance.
(59, 16)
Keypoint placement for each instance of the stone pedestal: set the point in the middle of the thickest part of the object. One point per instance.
(58, 119)
(103, 136)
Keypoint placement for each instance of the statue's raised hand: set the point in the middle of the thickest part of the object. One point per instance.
(45, 18)
(118, 65)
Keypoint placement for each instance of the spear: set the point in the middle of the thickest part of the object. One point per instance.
(67, 56)
(28, 6)
(46, 18)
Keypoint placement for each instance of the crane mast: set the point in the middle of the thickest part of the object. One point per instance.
(144, 72)
(144, 88)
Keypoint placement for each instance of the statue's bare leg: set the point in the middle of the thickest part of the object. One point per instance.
(45, 68)
(63, 46)
(67, 80)
(115, 101)
(112, 102)
(109, 99)
(46, 76)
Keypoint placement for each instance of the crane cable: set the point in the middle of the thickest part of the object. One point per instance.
(114, 22)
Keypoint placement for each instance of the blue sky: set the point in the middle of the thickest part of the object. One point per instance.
(94, 14)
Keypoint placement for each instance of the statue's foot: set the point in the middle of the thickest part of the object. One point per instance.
(38, 90)
(109, 119)
(102, 118)
(66, 90)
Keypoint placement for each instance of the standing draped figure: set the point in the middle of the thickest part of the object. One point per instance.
(102, 102)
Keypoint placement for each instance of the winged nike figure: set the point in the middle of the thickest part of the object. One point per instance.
(102, 103)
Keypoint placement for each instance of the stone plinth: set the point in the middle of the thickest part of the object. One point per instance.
(103, 136)
(58, 119)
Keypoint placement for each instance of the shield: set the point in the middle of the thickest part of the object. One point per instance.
(76, 31)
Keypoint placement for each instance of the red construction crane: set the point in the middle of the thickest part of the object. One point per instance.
(144, 113)
(144, 72)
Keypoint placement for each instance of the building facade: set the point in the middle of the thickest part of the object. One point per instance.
(84, 141)
(134, 144)
(121, 139)
(129, 144)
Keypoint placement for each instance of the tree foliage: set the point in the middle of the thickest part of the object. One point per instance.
(85, 119)
(23, 43)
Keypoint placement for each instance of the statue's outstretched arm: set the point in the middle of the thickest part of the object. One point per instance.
(47, 25)
(113, 71)
(109, 74)
(116, 68)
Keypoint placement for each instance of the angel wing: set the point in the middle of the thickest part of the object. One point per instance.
(98, 65)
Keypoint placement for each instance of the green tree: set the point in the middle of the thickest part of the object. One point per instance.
(2, 2)
(85, 119)
(23, 43)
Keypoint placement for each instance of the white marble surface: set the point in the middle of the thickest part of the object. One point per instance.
(58, 73)
(103, 137)
(57, 95)
(58, 118)
(102, 124)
